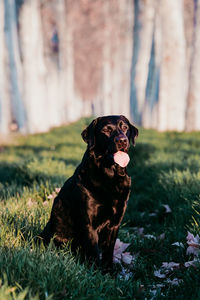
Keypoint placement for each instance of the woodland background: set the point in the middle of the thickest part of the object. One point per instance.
(64, 59)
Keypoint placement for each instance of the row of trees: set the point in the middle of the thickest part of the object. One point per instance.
(60, 60)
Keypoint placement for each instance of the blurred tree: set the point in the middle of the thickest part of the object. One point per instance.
(5, 107)
(143, 35)
(193, 99)
(14, 74)
(173, 84)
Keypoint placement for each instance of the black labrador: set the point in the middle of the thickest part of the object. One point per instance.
(91, 204)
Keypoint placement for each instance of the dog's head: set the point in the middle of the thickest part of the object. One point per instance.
(110, 134)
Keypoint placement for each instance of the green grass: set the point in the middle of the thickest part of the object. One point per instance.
(165, 169)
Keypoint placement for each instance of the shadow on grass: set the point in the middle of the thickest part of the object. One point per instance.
(155, 184)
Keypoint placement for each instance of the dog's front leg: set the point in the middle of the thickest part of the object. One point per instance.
(89, 245)
(109, 235)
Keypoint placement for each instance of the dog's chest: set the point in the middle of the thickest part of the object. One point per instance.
(109, 213)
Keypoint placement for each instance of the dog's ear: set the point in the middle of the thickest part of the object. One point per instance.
(133, 133)
(133, 130)
(88, 134)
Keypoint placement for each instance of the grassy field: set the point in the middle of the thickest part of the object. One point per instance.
(164, 205)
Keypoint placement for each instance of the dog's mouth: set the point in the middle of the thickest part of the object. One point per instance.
(121, 158)
(118, 155)
(123, 150)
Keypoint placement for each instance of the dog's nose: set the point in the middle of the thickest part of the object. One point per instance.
(121, 140)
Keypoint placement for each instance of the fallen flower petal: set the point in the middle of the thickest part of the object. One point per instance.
(117, 258)
(125, 274)
(193, 243)
(191, 263)
(118, 255)
(167, 208)
(120, 246)
(178, 244)
(161, 236)
(159, 285)
(190, 236)
(170, 266)
(150, 236)
(192, 239)
(175, 281)
(139, 230)
(158, 274)
(193, 250)
(127, 258)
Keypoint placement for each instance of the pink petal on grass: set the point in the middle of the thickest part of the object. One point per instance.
(120, 247)
(193, 250)
(167, 208)
(150, 236)
(174, 281)
(193, 243)
(178, 244)
(193, 239)
(127, 258)
(125, 274)
(190, 237)
(118, 255)
(170, 266)
(159, 274)
(117, 258)
(161, 236)
(191, 263)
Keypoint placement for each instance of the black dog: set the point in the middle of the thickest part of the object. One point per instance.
(91, 204)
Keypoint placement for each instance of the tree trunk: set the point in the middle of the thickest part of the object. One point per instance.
(15, 68)
(34, 69)
(125, 56)
(5, 108)
(193, 99)
(150, 111)
(146, 21)
(173, 83)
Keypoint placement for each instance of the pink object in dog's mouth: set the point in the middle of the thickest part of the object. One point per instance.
(121, 158)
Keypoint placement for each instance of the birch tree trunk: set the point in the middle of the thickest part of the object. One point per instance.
(106, 103)
(70, 104)
(150, 111)
(189, 27)
(125, 56)
(15, 68)
(173, 83)
(5, 108)
(49, 19)
(193, 99)
(117, 50)
(146, 21)
(34, 69)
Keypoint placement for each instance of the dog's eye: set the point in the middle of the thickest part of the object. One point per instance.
(108, 129)
(124, 127)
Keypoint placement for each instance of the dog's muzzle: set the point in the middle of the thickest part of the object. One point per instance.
(121, 142)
